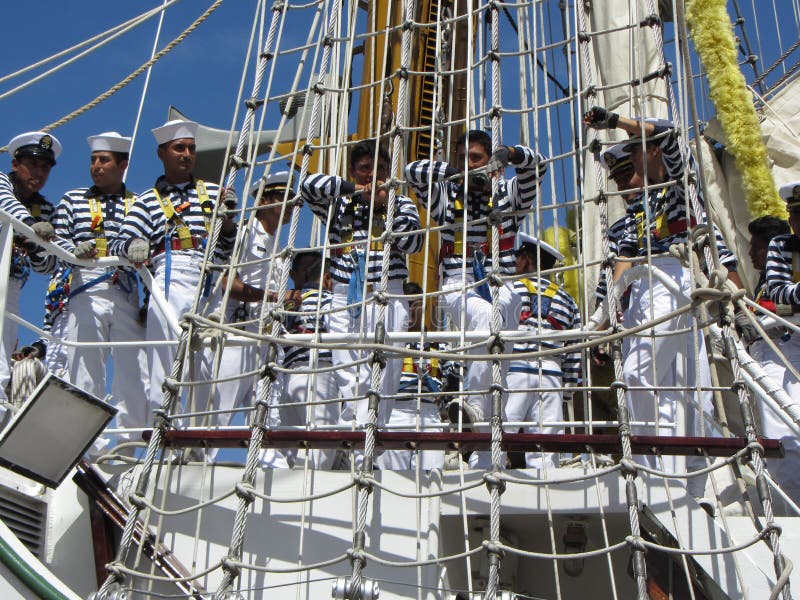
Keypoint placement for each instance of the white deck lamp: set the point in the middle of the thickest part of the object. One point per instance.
(52, 431)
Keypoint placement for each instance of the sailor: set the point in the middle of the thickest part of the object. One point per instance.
(658, 364)
(169, 225)
(104, 302)
(783, 284)
(617, 161)
(418, 404)
(33, 155)
(311, 398)
(452, 203)
(542, 383)
(253, 292)
(356, 232)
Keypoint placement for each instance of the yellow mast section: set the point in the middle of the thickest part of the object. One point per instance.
(382, 58)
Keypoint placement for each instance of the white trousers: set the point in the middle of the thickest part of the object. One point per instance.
(354, 380)
(308, 396)
(785, 471)
(10, 329)
(663, 361)
(184, 277)
(106, 313)
(477, 316)
(57, 359)
(407, 414)
(545, 405)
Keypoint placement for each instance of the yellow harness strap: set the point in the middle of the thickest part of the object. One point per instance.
(410, 365)
(549, 292)
(96, 210)
(172, 215)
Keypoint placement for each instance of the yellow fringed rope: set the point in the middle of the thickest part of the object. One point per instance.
(711, 32)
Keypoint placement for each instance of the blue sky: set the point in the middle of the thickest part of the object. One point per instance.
(201, 77)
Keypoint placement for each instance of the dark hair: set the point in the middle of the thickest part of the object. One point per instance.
(411, 288)
(366, 148)
(309, 262)
(767, 227)
(546, 260)
(120, 156)
(476, 136)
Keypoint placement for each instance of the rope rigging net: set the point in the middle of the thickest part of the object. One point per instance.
(341, 427)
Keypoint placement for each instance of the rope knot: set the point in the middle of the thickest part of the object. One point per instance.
(254, 103)
(769, 528)
(364, 482)
(496, 344)
(628, 467)
(636, 543)
(756, 446)
(493, 481)
(115, 570)
(492, 548)
(137, 500)
(618, 385)
(238, 163)
(229, 564)
(357, 556)
(245, 491)
(380, 297)
(170, 385)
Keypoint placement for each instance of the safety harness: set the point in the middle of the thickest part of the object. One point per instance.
(480, 251)
(540, 302)
(660, 226)
(20, 263)
(60, 288)
(175, 225)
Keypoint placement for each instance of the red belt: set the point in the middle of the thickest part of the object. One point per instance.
(675, 227)
(175, 244)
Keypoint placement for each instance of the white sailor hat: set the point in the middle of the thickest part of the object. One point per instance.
(109, 141)
(35, 143)
(274, 182)
(615, 158)
(791, 193)
(175, 130)
(636, 139)
(525, 241)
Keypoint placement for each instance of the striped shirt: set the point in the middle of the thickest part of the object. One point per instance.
(308, 322)
(548, 307)
(349, 224)
(258, 269)
(615, 233)
(74, 217)
(36, 208)
(783, 269)
(146, 219)
(665, 213)
(448, 208)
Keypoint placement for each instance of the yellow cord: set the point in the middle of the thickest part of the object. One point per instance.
(711, 31)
